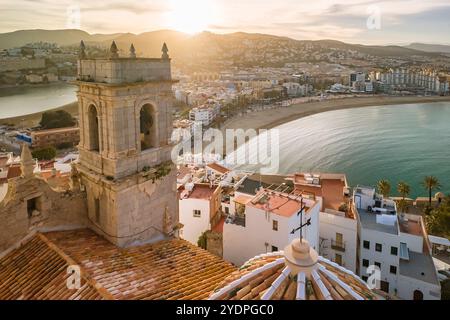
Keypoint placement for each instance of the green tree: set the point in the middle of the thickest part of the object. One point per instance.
(44, 153)
(403, 189)
(430, 183)
(384, 187)
(202, 241)
(57, 119)
(438, 221)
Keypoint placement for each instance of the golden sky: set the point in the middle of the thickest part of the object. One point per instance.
(400, 21)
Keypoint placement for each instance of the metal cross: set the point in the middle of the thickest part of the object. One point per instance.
(302, 225)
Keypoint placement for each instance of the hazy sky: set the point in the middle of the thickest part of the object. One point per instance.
(394, 21)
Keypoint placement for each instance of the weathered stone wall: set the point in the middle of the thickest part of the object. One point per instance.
(124, 70)
(132, 211)
(54, 209)
(118, 110)
(214, 243)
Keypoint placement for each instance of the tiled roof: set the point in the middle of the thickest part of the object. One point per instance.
(169, 269)
(267, 277)
(217, 167)
(14, 171)
(38, 270)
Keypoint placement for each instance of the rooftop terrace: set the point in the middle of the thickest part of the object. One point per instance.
(419, 266)
(281, 204)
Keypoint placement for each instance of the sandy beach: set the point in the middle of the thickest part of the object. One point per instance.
(270, 118)
(31, 120)
(267, 119)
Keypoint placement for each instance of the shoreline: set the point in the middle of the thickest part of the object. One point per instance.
(268, 119)
(32, 119)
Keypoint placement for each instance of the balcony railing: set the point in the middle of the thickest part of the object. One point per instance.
(236, 219)
(338, 245)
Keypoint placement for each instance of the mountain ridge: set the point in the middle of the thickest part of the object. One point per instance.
(150, 42)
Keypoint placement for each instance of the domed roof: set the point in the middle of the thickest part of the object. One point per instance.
(439, 195)
(297, 273)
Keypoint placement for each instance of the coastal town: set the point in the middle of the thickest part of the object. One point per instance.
(225, 158)
(70, 171)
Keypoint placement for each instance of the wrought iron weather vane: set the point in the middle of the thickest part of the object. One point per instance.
(302, 225)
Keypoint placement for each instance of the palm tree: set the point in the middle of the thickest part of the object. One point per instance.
(384, 187)
(431, 183)
(403, 189)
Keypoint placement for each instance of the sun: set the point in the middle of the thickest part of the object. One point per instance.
(190, 16)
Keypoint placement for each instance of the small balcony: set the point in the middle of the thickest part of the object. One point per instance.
(236, 219)
(338, 245)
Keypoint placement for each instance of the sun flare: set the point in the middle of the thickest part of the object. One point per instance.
(190, 16)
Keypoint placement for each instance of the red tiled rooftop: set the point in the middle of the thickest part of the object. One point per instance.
(170, 269)
(201, 191)
(14, 172)
(218, 168)
(331, 191)
(3, 161)
(277, 204)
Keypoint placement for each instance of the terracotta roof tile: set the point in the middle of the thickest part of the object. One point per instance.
(267, 277)
(170, 269)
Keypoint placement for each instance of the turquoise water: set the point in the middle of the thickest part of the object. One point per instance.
(18, 101)
(403, 142)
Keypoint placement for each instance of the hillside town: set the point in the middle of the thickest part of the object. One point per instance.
(107, 182)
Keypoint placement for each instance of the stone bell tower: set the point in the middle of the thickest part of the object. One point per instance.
(125, 116)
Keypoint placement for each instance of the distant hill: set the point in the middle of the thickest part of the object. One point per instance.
(430, 47)
(202, 44)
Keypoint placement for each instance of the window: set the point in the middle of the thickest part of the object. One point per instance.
(33, 206)
(394, 251)
(365, 263)
(364, 278)
(148, 127)
(378, 247)
(378, 264)
(384, 286)
(227, 210)
(339, 238)
(94, 140)
(393, 269)
(274, 249)
(197, 213)
(275, 225)
(338, 259)
(366, 244)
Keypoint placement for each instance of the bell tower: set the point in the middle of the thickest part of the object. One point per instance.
(125, 116)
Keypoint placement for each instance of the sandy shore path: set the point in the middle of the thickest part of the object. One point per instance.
(31, 120)
(267, 119)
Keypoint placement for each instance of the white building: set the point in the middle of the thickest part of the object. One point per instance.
(264, 223)
(199, 208)
(397, 245)
(338, 226)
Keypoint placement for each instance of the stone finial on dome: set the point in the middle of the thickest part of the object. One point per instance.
(26, 162)
(82, 52)
(165, 51)
(113, 51)
(132, 51)
(299, 256)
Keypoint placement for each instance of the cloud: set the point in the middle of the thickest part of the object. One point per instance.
(301, 19)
